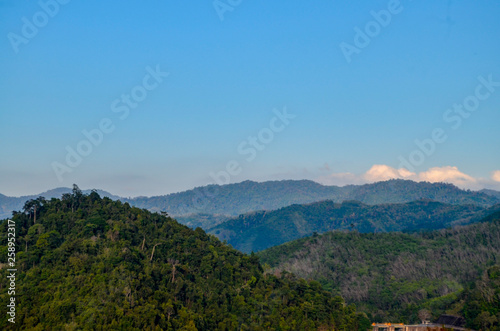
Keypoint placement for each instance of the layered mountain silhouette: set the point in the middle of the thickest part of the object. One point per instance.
(263, 229)
(235, 199)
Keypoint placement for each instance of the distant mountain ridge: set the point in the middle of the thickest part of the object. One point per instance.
(492, 193)
(263, 229)
(248, 196)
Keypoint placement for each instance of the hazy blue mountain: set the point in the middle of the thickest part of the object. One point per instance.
(492, 193)
(236, 199)
(247, 196)
(263, 229)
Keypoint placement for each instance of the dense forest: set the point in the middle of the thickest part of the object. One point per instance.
(392, 276)
(480, 301)
(260, 230)
(8, 204)
(91, 263)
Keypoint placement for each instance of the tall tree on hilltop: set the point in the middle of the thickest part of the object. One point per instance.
(33, 206)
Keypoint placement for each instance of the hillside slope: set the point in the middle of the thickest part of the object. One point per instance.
(480, 301)
(260, 230)
(492, 193)
(392, 276)
(96, 264)
(239, 198)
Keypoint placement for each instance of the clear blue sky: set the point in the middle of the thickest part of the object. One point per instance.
(225, 79)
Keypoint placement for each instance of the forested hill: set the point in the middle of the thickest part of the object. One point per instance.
(92, 263)
(392, 276)
(240, 198)
(9, 204)
(399, 191)
(247, 196)
(260, 230)
(493, 193)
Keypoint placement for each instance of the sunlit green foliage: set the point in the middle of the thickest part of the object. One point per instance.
(96, 264)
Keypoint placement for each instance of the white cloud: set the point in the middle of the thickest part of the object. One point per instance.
(341, 179)
(447, 174)
(496, 175)
(381, 172)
